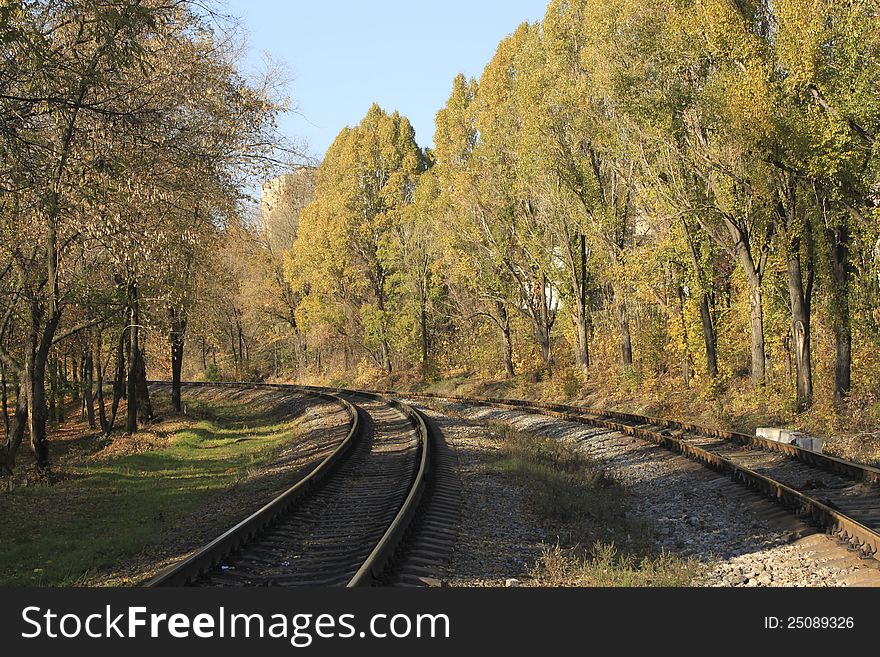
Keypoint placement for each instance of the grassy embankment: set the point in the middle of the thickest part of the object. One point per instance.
(110, 505)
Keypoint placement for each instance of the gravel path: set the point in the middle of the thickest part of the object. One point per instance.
(743, 539)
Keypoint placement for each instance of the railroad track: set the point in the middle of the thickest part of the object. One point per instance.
(350, 518)
(384, 507)
(839, 496)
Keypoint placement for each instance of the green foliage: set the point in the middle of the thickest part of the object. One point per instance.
(213, 374)
(344, 261)
(674, 177)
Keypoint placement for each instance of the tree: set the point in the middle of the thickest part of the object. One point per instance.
(127, 136)
(61, 92)
(415, 253)
(468, 262)
(341, 261)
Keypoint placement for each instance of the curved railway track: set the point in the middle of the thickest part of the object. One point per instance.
(342, 524)
(839, 496)
(384, 506)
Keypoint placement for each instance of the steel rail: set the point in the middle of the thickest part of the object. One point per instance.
(371, 570)
(375, 564)
(208, 556)
(861, 537)
(373, 567)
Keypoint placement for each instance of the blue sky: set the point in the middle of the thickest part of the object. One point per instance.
(343, 55)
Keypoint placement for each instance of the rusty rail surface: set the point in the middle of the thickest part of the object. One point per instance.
(663, 433)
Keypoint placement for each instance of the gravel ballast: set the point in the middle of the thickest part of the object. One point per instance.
(500, 539)
(743, 539)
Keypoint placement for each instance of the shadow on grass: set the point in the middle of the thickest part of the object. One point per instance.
(103, 511)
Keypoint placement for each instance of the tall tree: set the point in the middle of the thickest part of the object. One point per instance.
(342, 254)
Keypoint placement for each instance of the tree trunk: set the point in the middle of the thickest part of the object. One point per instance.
(5, 400)
(626, 350)
(82, 392)
(740, 244)
(842, 362)
(542, 322)
(384, 347)
(756, 322)
(386, 356)
(131, 421)
(800, 331)
(423, 328)
(52, 403)
(119, 379)
(77, 379)
(176, 369)
(837, 241)
(99, 384)
(800, 286)
(756, 314)
(582, 315)
(61, 382)
(145, 406)
(13, 440)
(176, 339)
(582, 346)
(709, 337)
(543, 337)
(88, 383)
(241, 353)
(44, 317)
(504, 323)
(35, 372)
(686, 355)
(35, 381)
(235, 358)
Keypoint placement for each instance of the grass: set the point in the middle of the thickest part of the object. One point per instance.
(603, 565)
(106, 510)
(599, 542)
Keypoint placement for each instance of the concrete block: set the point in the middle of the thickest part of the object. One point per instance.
(771, 434)
(808, 442)
(791, 437)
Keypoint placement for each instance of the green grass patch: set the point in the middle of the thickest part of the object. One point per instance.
(107, 510)
(599, 542)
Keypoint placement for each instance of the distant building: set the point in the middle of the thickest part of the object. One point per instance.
(284, 199)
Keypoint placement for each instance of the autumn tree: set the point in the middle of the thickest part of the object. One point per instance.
(340, 261)
(469, 265)
(61, 92)
(127, 135)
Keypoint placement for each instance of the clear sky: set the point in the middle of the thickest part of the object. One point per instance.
(343, 55)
